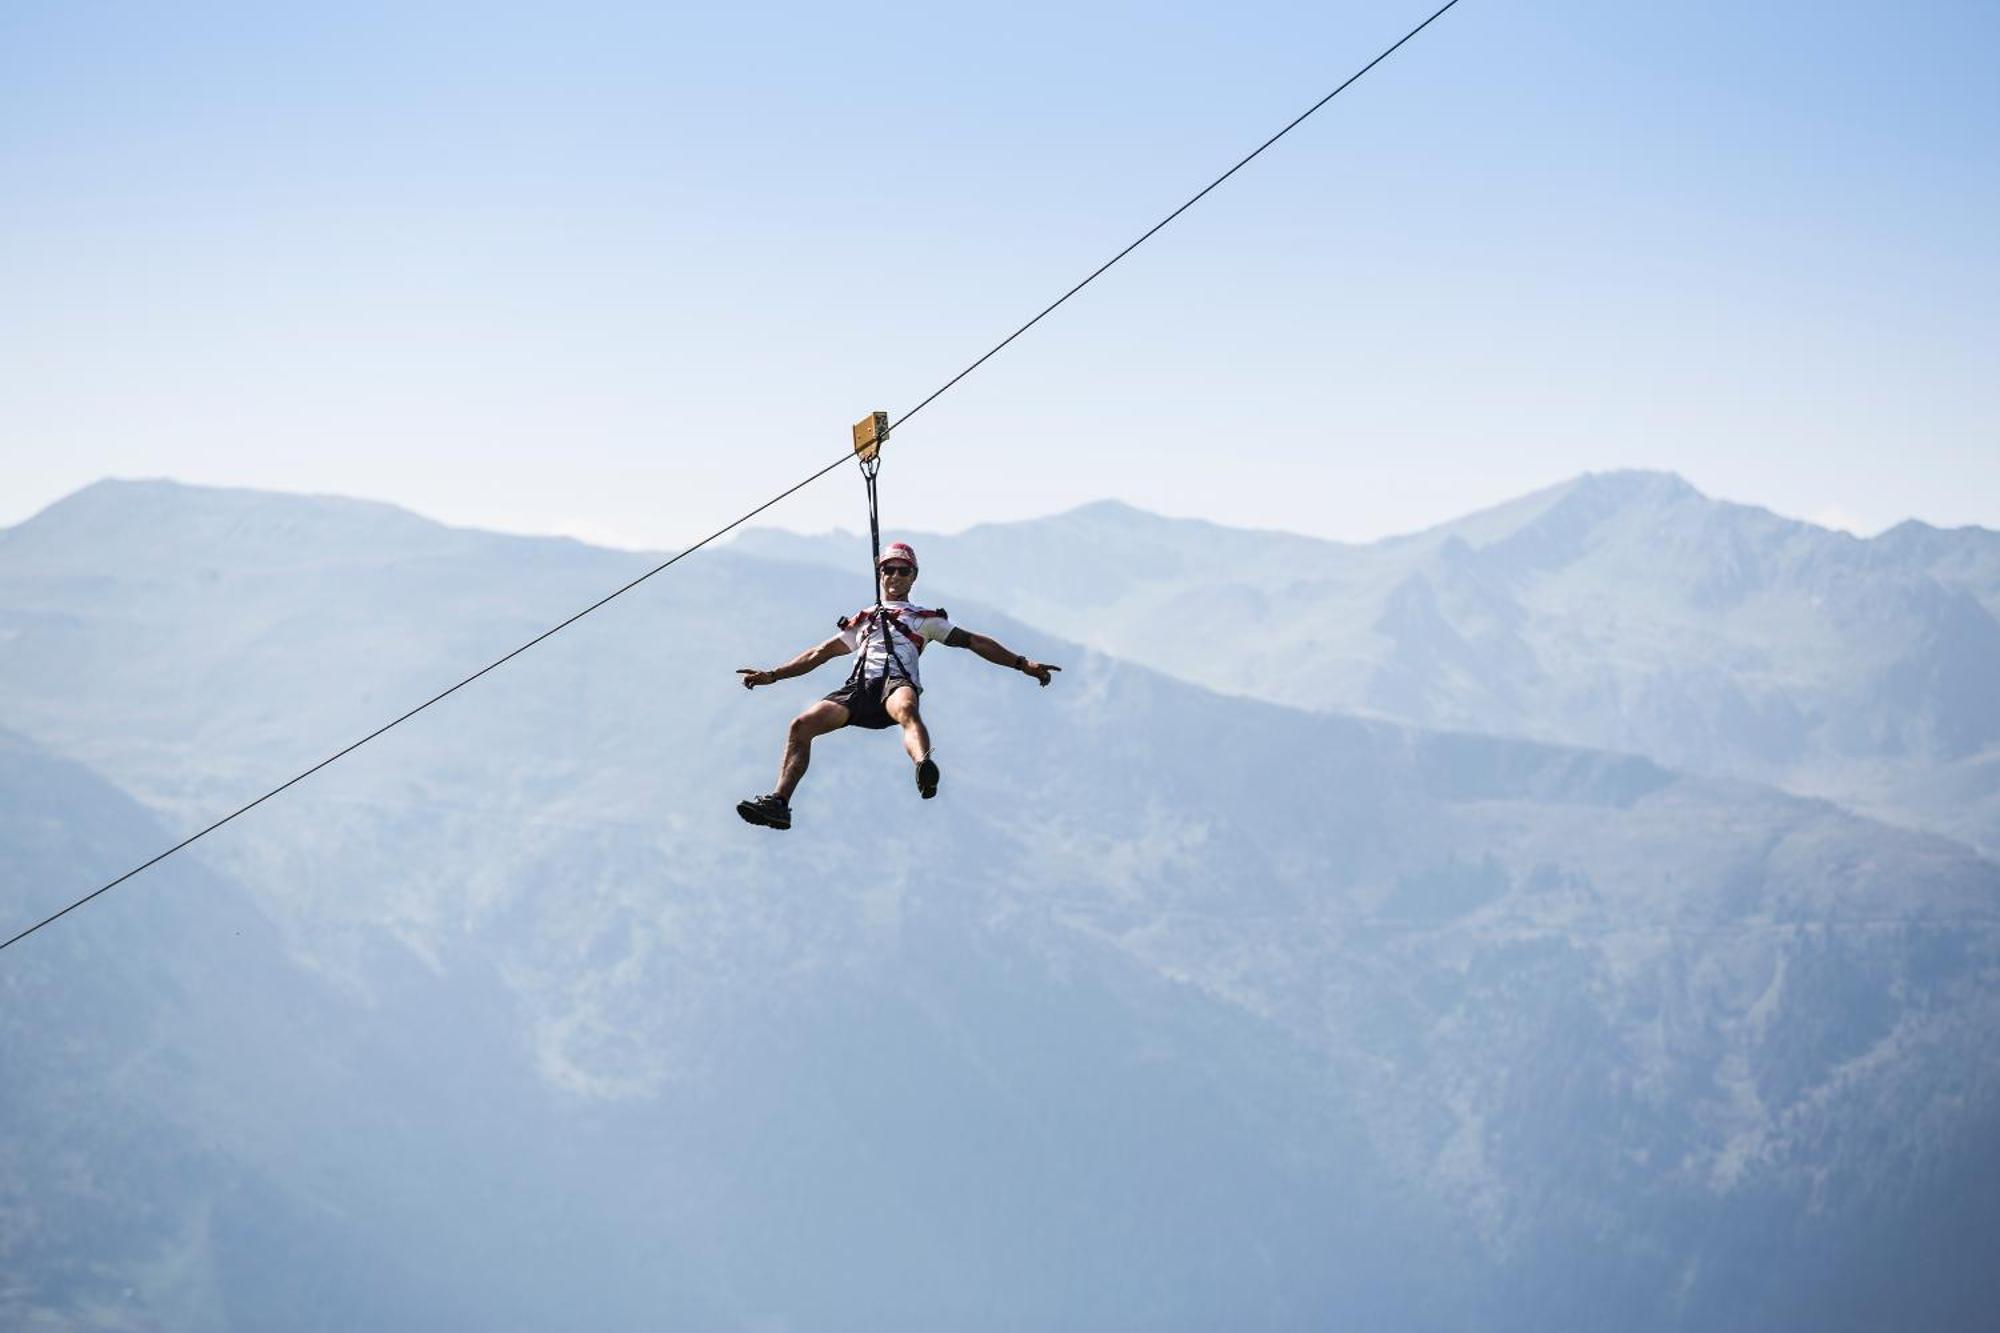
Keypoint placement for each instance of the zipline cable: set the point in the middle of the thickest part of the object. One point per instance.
(737, 523)
(436, 698)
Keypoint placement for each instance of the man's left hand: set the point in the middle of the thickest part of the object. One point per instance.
(1041, 671)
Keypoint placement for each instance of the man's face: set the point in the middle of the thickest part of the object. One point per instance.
(897, 576)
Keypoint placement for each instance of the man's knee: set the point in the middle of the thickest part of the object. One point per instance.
(902, 705)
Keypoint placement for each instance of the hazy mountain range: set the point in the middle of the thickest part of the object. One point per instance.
(1625, 611)
(1178, 1009)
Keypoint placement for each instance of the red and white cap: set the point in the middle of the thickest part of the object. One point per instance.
(898, 551)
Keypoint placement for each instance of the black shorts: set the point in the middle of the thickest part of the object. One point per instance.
(863, 702)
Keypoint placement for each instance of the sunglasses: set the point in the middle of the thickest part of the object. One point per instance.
(891, 570)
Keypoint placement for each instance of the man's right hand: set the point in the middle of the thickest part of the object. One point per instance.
(752, 677)
(1041, 671)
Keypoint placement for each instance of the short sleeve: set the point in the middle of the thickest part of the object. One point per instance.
(936, 626)
(850, 629)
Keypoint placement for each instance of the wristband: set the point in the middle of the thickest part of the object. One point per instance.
(1020, 662)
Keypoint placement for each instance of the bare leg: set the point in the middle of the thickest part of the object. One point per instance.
(817, 720)
(902, 706)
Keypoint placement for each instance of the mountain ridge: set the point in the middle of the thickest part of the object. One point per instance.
(1369, 1021)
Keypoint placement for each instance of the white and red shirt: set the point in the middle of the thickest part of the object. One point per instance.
(910, 628)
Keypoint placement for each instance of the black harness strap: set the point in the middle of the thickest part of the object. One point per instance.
(892, 664)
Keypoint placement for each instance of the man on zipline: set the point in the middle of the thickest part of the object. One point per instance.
(881, 690)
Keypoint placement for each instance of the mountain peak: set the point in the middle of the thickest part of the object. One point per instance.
(1110, 509)
(143, 497)
(151, 520)
(1634, 484)
(1599, 496)
(1564, 513)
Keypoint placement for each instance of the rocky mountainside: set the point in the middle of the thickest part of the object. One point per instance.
(1624, 611)
(1967, 558)
(1175, 1010)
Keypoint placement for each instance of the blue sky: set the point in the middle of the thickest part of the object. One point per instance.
(622, 271)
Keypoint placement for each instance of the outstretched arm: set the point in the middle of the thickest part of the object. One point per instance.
(798, 666)
(994, 652)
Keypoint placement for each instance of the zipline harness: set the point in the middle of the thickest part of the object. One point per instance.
(870, 434)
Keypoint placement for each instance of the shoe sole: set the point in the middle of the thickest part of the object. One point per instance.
(927, 779)
(752, 815)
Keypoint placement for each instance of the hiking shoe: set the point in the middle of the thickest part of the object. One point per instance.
(770, 811)
(927, 778)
